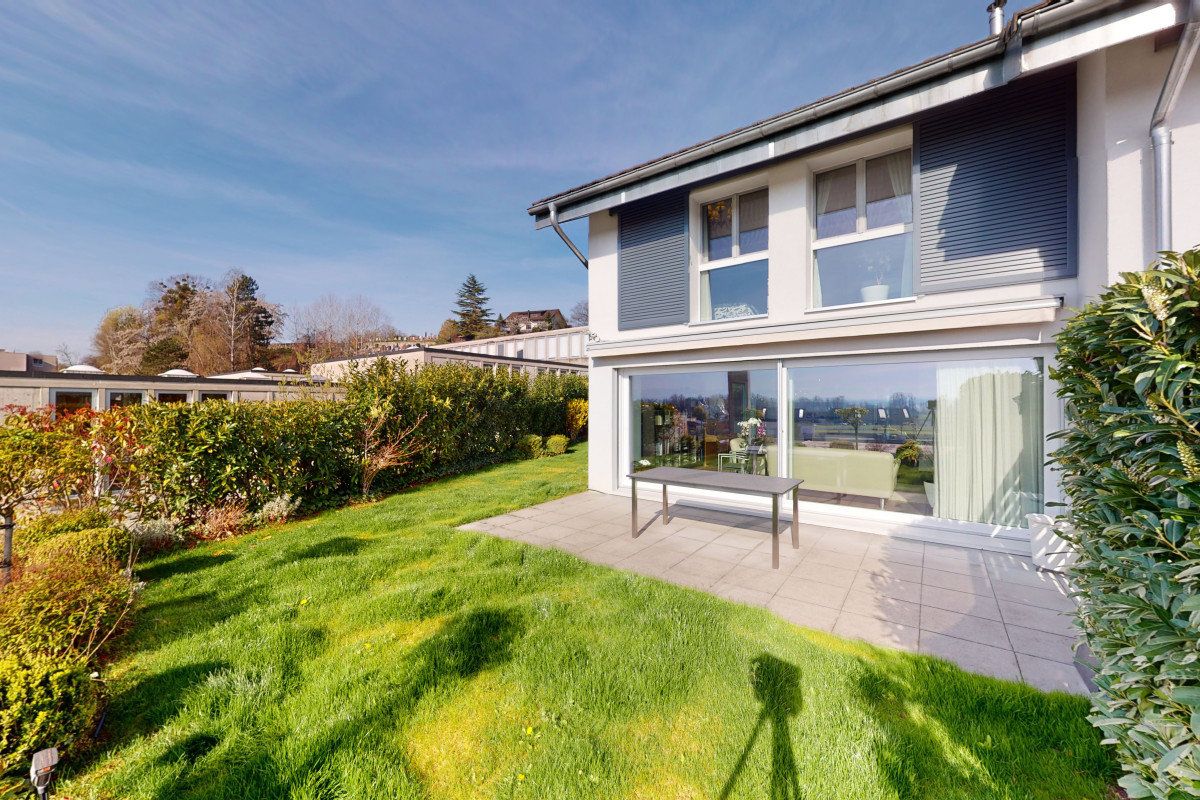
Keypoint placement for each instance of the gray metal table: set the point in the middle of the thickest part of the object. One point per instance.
(736, 482)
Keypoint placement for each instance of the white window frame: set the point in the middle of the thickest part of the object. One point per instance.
(858, 154)
(732, 189)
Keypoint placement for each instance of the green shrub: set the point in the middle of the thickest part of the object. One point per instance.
(556, 445)
(109, 544)
(201, 455)
(66, 610)
(35, 530)
(43, 703)
(910, 453)
(1127, 368)
(577, 418)
(549, 396)
(530, 446)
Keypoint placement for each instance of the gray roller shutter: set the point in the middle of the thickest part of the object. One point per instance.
(652, 262)
(996, 187)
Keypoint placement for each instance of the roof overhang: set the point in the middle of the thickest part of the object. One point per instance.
(1045, 36)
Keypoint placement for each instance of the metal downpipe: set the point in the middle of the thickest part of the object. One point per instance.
(567, 239)
(1160, 125)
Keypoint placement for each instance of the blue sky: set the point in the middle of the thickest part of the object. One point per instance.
(374, 148)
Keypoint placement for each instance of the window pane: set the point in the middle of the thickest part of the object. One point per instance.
(718, 228)
(703, 420)
(837, 211)
(71, 402)
(172, 397)
(960, 440)
(120, 399)
(889, 190)
(863, 272)
(752, 222)
(731, 292)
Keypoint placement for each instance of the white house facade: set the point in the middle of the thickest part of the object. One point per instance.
(864, 292)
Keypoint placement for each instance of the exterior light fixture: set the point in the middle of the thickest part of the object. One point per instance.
(41, 772)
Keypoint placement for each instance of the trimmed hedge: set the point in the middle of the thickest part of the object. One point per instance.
(109, 544)
(550, 397)
(36, 530)
(557, 444)
(1129, 369)
(196, 456)
(43, 703)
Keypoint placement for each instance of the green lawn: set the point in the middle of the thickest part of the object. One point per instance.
(377, 652)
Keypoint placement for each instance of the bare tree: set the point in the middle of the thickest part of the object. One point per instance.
(66, 355)
(332, 327)
(380, 451)
(579, 314)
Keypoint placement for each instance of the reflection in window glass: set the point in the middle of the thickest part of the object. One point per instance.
(717, 420)
(959, 440)
(718, 228)
(863, 272)
(889, 190)
(172, 397)
(837, 206)
(732, 292)
(121, 399)
(752, 222)
(71, 402)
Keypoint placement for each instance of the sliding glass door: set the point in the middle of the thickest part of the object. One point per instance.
(959, 440)
(714, 419)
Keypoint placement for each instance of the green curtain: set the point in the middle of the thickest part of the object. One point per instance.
(988, 453)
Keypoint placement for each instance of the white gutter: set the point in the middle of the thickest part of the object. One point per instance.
(1160, 125)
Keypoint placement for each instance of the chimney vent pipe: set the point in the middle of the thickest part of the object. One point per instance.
(996, 16)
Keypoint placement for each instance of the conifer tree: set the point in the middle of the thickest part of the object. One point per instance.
(473, 315)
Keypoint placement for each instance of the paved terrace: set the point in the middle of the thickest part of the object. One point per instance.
(990, 613)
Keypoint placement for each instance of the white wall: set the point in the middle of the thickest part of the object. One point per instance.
(1118, 89)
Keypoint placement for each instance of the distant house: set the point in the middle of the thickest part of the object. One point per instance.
(548, 319)
(27, 362)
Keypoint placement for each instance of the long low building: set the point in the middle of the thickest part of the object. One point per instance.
(563, 344)
(418, 355)
(78, 387)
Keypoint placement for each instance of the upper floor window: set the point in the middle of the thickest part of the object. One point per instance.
(862, 249)
(735, 225)
(733, 282)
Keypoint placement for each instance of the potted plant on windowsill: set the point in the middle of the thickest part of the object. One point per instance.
(878, 288)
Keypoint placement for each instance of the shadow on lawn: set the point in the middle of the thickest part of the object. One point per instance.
(168, 567)
(947, 730)
(777, 686)
(377, 706)
(337, 546)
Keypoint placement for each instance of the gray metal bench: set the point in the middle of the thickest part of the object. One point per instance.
(735, 482)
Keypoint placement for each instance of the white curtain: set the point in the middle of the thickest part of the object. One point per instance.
(987, 450)
(899, 167)
(824, 190)
(706, 309)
